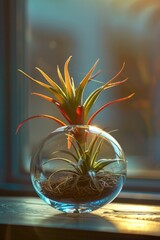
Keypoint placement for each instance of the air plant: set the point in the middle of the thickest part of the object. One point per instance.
(69, 99)
(83, 159)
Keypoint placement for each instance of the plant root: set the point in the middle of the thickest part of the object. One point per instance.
(68, 186)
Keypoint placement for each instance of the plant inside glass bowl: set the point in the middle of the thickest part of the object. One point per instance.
(78, 167)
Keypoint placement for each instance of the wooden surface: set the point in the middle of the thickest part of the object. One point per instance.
(30, 218)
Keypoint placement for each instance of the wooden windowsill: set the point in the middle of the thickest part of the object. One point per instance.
(30, 218)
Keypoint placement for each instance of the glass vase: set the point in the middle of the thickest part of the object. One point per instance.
(78, 169)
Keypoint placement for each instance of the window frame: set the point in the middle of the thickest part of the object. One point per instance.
(12, 176)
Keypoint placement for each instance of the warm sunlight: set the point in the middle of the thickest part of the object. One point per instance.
(133, 218)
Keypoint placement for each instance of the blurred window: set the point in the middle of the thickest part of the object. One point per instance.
(46, 32)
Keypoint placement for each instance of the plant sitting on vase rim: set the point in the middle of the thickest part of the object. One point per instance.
(84, 176)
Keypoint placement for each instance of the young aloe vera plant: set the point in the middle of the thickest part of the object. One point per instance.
(86, 173)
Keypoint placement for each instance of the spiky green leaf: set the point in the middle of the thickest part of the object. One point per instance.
(40, 116)
(67, 77)
(102, 163)
(106, 105)
(61, 79)
(83, 83)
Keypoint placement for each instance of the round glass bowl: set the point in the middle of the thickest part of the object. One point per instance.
(78, 169)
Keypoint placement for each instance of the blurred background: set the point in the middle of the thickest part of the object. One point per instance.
(44, 33)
